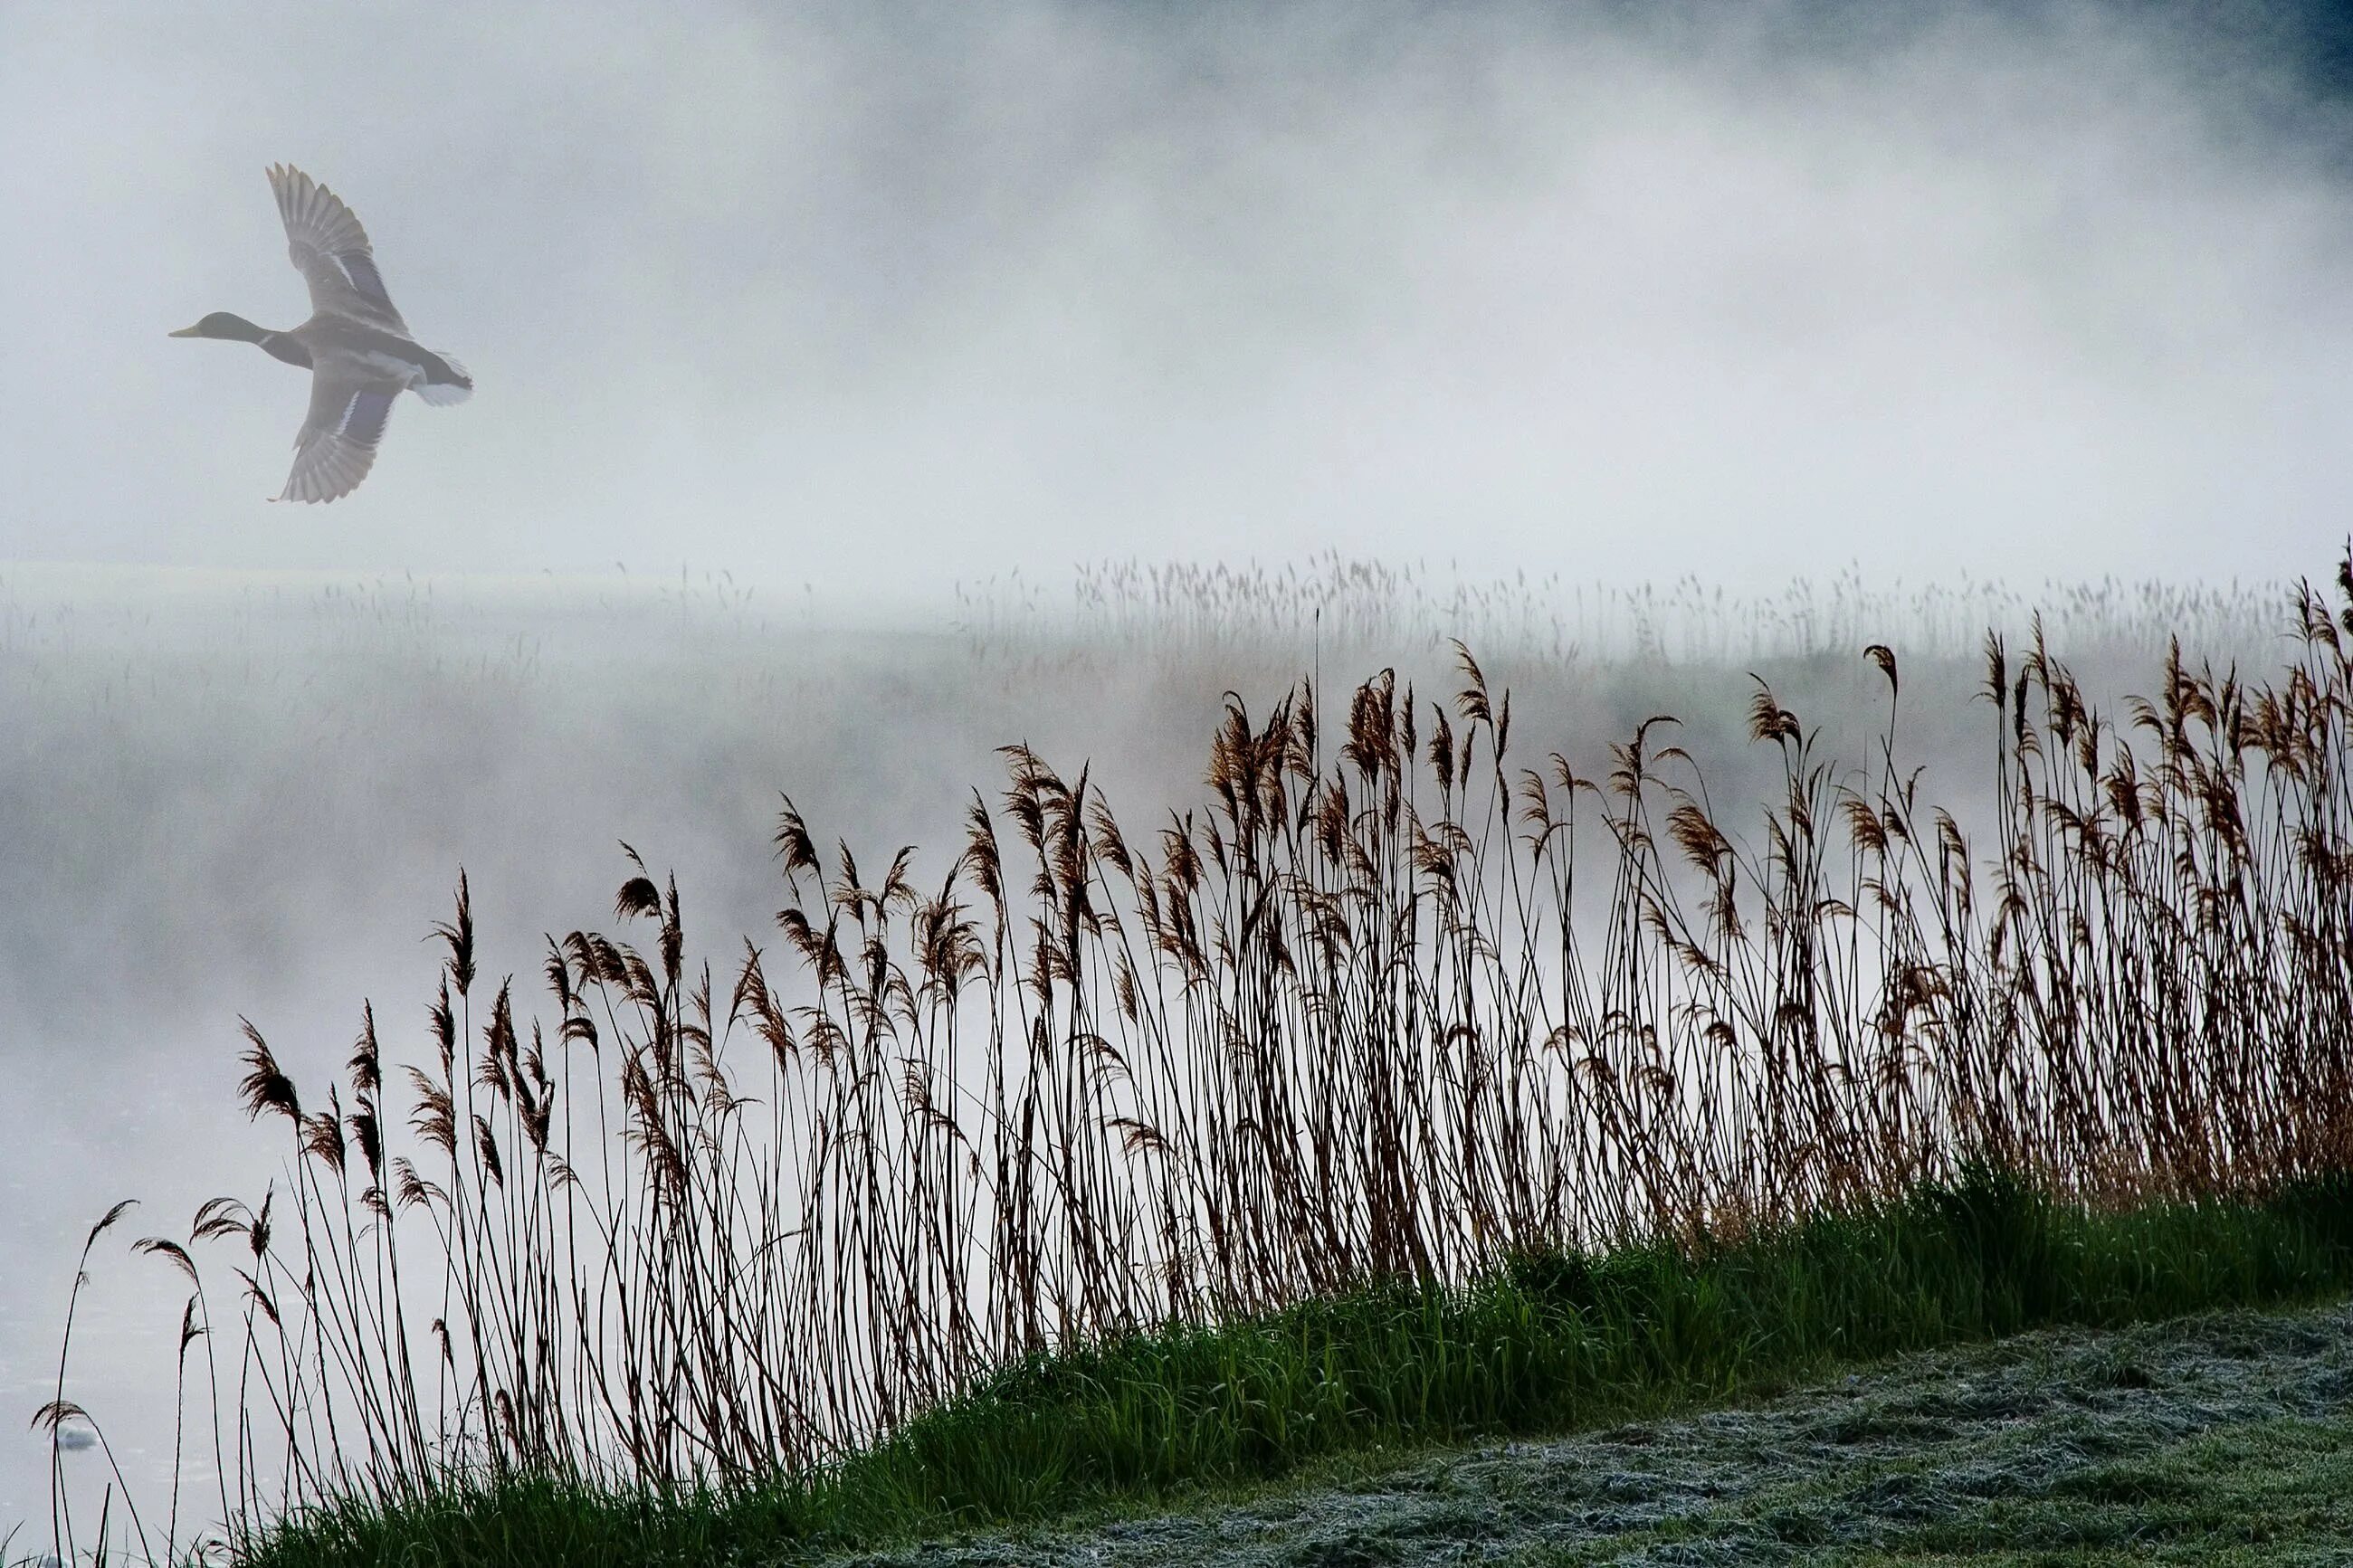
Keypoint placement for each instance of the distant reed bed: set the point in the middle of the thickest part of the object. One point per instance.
(1398, 1000)
(1354, 606)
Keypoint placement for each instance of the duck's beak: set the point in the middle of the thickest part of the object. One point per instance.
(187, 332)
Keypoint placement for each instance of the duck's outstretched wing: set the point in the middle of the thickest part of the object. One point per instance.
(330, 250)
(337, 444)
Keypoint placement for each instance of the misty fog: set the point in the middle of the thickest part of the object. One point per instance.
(879, 298)
(816, 347)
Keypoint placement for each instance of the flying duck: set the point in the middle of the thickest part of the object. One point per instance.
(355, 347)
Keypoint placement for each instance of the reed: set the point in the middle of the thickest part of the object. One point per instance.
(1392, 1006)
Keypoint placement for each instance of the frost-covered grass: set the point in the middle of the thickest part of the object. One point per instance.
(2264, 1492)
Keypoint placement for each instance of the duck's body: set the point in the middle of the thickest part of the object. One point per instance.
(357, 349)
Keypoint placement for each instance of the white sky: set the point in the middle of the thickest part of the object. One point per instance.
(881, 298)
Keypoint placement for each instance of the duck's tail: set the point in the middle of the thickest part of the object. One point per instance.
(446, 381)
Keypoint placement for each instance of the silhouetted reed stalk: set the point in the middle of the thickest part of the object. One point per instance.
(1385, 1005)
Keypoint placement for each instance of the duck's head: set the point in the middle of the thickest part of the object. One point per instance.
(221, 324)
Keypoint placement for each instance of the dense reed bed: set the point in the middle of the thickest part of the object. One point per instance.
(1398, 1005)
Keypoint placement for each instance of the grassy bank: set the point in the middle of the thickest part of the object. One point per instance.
(1555, 1343)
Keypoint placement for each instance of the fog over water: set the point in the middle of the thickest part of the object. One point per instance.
(788, 323)
(878, 297)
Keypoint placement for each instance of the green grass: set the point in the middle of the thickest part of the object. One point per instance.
(1553, 1344)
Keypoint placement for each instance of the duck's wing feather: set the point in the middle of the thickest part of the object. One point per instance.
(337, 444)
(330, 250)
